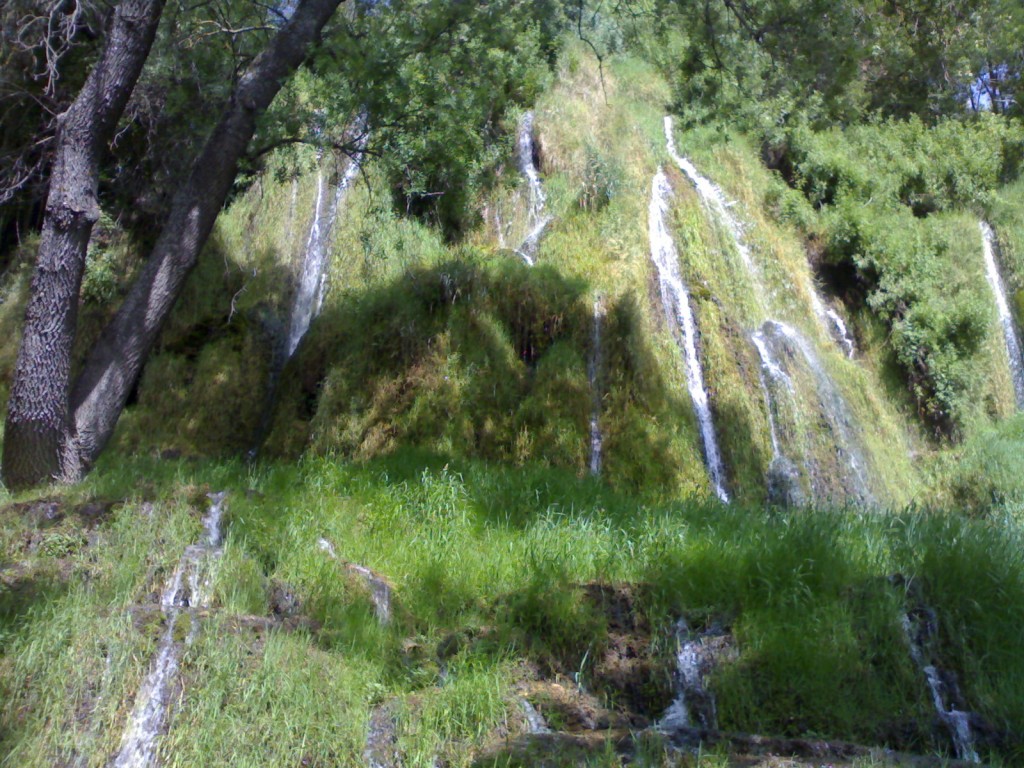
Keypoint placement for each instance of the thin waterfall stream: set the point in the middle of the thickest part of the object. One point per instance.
(920, 627)
(537, 218)
(777, 387)
(593, 376)
(714, 200)
(995, 281)
(833, 406)
(309, 296)
(535, 723)
(186, 591)
(312, 285)
(833, 324)
(776, 335)
(697, 653)
(675, 298)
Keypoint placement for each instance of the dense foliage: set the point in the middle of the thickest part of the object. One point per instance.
(882, 210)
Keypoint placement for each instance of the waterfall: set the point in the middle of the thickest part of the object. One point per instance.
(995, 281)
(832, 404)
(310, 293)
(535, 724)
(593, 373)
(186, 590)
(714, 200)
(783, 477)
(537, 219)
(833, 407)
(920, 627)
(833, 324)
(676, 302)
(694, 705)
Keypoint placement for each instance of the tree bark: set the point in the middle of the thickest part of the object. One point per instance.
(39, 440)
(114, 363)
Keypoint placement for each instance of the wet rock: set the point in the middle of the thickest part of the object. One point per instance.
(783, 481)
(555, 750)
(42, 513)
(381, 749)
(629, 671)
(569, 708)
(816, 750)
(284, 601)
(535, 722)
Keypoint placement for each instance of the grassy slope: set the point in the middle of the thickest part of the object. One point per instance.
(475, 551)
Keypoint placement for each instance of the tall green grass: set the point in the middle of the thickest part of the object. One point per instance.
(487, 565)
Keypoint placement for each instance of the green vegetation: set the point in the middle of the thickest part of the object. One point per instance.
(434, 424)
(490, 570)
(885, 196)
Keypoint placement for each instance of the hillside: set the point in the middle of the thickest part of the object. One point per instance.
(690, 438)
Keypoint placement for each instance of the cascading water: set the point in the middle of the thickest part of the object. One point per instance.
(833, 323)
(714, 199)
(995, 281)
(593, 372)
(919, 627)
(535, 723)
(832, 404)
(310, 293)
(537, 219)
(833, 408)
(694, 705)
(675, 299)
(186, 591)
(776, 386)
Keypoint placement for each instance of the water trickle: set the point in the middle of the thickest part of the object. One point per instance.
(714, 200)
(841, 331)
(919, 628)
(833, 323)
(995, 281)
(187, 589)
(381, 749)
(537, 219)
(380, 590)
(309, 296)
(535, 723)
(694, 705)
(783, 477)
(593, 372)
(833, 407)
(675, 299)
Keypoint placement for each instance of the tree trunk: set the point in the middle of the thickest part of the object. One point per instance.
(39, 441)
(113, 365)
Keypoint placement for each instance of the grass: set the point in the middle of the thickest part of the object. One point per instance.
(486, 563)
